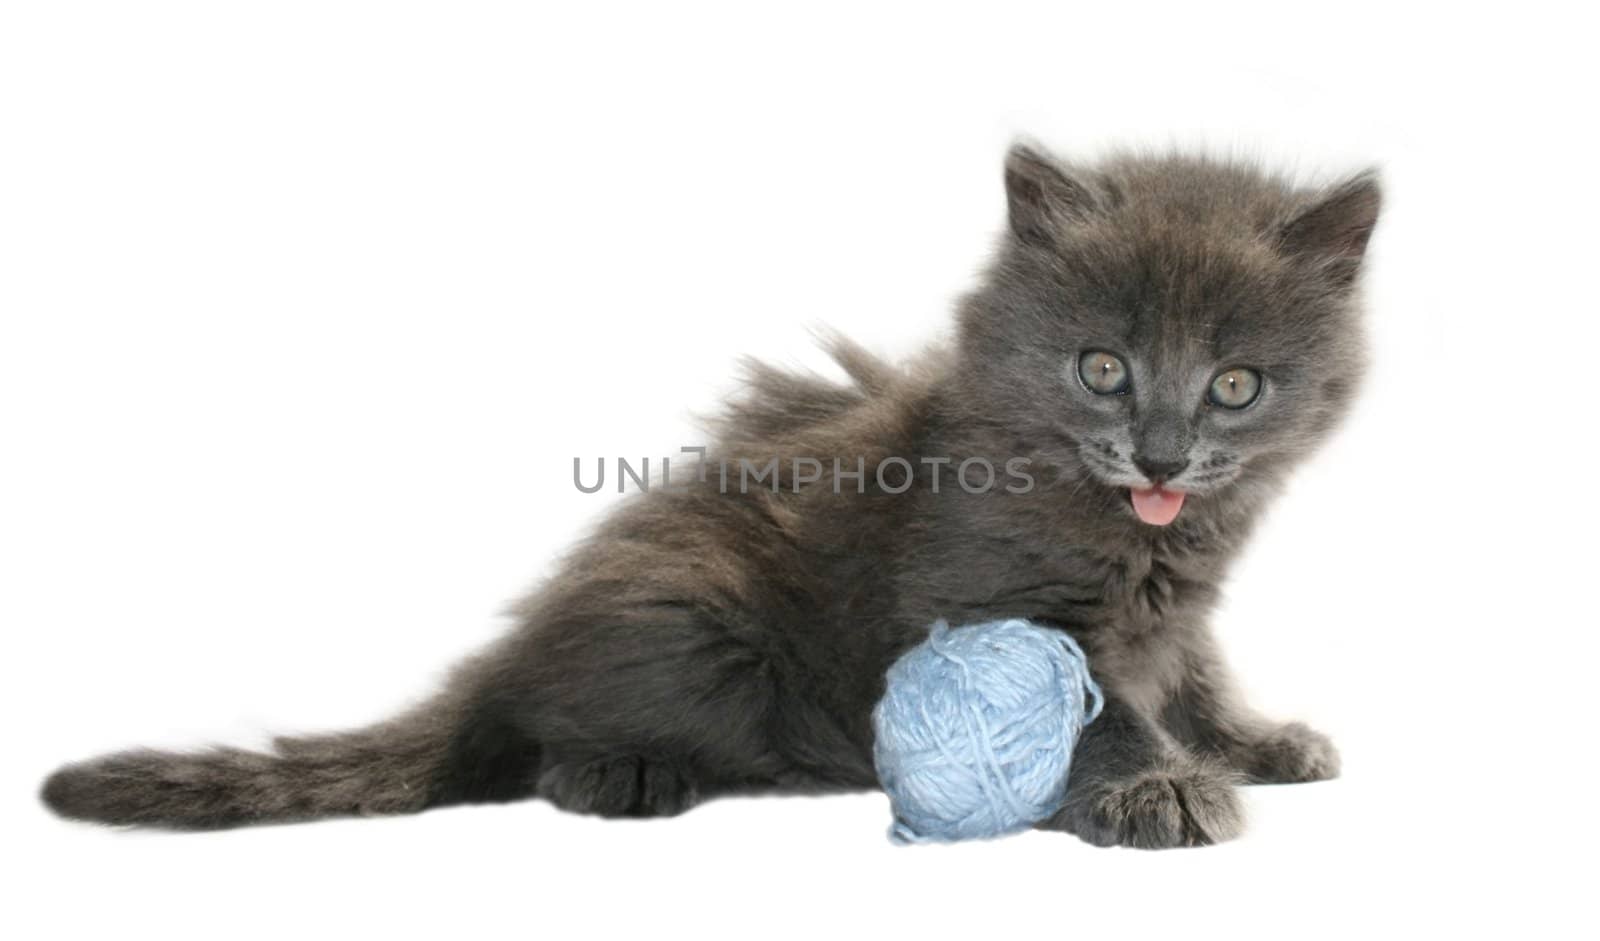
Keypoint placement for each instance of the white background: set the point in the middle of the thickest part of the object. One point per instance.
(307, 308)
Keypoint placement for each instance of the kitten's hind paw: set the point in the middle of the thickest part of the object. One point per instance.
(1159, 809)
(618, 786)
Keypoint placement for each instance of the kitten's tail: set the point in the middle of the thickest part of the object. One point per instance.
(424, 758)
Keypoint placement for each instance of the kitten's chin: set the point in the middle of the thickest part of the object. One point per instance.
(1156, 506)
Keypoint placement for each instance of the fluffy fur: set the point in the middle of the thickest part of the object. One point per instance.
(703, 642)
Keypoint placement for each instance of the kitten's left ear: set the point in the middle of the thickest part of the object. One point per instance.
(1041, 196)
(1334, 229)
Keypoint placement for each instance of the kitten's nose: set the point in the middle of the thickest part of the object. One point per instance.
(1160, 469)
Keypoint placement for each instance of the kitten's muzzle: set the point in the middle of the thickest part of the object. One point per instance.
(1160, 469)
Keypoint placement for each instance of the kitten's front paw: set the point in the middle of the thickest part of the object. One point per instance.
(1291, 754)
(1158, 809)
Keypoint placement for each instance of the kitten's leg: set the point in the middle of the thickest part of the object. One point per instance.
(1206, 716)
(653, 672)
(1132, 785)
(619, 785)
(645, 706)
(645, 711)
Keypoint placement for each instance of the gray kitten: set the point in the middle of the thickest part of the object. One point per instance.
(1159, 341)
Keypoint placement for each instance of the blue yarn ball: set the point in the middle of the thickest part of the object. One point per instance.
(974, 734)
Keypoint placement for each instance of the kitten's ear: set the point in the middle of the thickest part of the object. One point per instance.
(1041, 196)
(1334, 229)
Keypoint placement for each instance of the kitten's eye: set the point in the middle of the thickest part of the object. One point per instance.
(1102, 373)
(1235, 388)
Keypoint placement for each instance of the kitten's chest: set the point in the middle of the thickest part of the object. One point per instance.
(1137, 592)
(1150, 591)
(1151, 606)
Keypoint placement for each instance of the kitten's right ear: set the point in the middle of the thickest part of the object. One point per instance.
(1334, 230)
(1041, 196)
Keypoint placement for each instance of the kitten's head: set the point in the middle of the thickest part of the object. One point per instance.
(1170, 327)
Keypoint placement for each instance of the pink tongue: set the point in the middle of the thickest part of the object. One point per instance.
(1156, 506)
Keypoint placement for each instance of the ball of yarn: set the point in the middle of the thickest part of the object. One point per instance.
(974, 734)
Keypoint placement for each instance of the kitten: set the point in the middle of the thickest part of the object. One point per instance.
(1159, 340)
